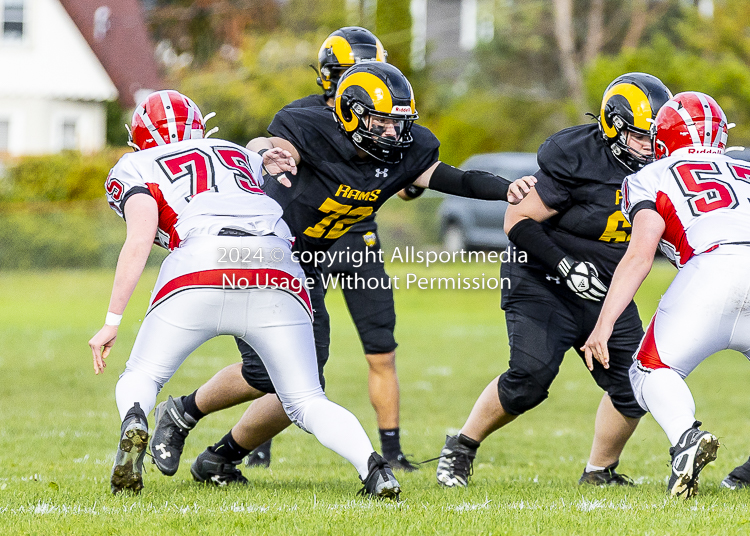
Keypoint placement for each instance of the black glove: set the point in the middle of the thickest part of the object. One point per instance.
(582, 278)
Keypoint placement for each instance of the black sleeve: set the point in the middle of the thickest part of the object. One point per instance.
(640, 206)
(550, 177)
(129, 194)
(530, 236)
(472, 183)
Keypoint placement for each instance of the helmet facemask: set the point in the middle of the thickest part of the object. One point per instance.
(383, 136)
(631, 157)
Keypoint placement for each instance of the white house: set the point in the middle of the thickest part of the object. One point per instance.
(57, 71)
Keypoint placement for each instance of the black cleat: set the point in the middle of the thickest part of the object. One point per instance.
(690, 455)
(127, 472)
(456, 463)
(260, 457)
(171, 428)
(606, 477)
(401, 463)
(212, 468)
(380, 482)
(739, 478)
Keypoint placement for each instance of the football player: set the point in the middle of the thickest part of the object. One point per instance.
(230, 272)
(371, 309)
(693, 202)
(350, 160)
(574, 233)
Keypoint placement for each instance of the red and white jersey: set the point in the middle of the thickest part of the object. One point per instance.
(704, 199)
(200, 186)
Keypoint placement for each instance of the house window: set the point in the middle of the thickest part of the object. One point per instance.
(69, 134)
(4, 135)
(13, 19)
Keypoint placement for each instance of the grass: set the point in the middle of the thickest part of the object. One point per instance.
(59, 426)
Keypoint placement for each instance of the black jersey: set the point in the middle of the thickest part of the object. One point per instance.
(580, 178)
(318, 99)
(334, 188)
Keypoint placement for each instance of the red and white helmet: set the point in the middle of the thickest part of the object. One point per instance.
(689, 119)
(164, 117)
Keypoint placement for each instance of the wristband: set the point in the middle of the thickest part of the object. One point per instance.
(112, 319)
(260, 153)
(414, 191)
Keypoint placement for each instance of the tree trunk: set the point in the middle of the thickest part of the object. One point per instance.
(566, 45)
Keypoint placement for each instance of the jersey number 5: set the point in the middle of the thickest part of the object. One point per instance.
(704, 191)
(335, 220)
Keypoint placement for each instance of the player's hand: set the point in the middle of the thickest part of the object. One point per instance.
(582, 278)
(596, 346)
(278, 162)
(101, 344)
(520, 188)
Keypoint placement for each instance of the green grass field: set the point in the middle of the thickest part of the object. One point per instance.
(59, 427)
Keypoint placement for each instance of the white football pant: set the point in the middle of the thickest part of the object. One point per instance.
(706, 309)
(193, 302)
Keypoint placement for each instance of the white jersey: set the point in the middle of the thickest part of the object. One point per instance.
(704, 199)
(201, 187)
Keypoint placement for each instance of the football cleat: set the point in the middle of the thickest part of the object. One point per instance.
(260, 457)
(456, 463)
(127, 472)
(606, 477)
(690, 455)
(171, 429)
(212, 468)
(401, 463)
(380, 482)
(739, 478)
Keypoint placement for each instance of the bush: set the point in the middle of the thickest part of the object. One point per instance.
(65, 176)
(62, 235)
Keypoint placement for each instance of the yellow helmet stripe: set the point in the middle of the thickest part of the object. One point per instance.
(638, 104)
(341, 49)
(375, 87)
(380, 54)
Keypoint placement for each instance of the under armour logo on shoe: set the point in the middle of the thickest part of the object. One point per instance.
(381, 172)
(163, 448)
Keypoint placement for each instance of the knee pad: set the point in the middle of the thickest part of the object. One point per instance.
(519, 392)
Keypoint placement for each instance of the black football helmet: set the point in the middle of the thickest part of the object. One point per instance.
(630, 104)
(342, 49)
(375, 107)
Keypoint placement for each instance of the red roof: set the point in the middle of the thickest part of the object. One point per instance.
(116, 32)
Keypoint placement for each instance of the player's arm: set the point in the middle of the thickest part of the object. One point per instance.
(523, 225)
(474, 183)
(142, 217)
(279, 157)
(648, 227)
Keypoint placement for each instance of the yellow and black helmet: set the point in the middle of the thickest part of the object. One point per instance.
(342, 49)
(630, 104)
(375, 107)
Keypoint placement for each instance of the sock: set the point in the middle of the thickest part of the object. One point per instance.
(135, 386)
(229, 448)
(188, 402)
(468, 442)
(390, 441)
(670, 402)
(591, 468)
